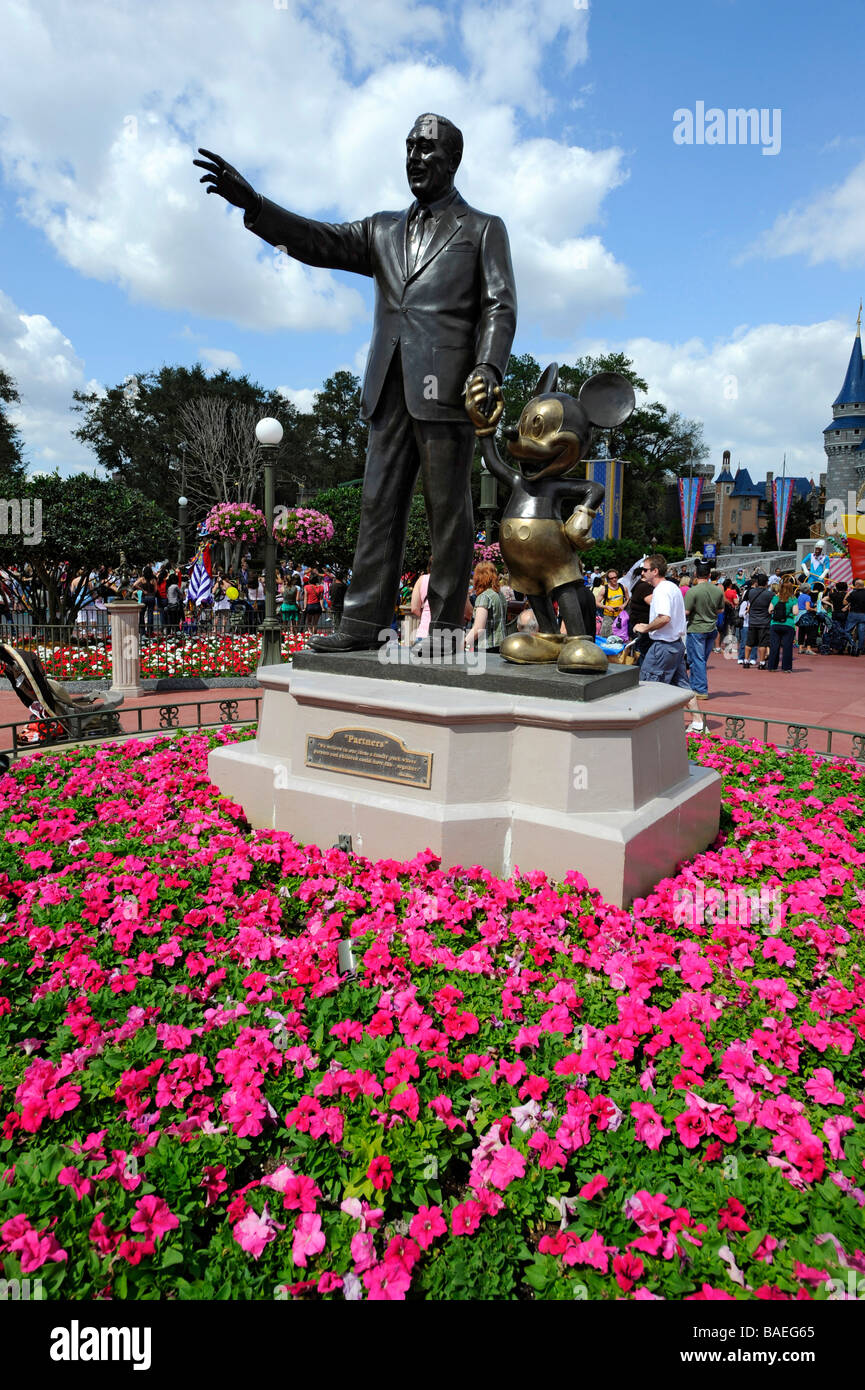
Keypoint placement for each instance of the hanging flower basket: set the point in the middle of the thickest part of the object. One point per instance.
(296, 526)
(492, 553)
(235, 522)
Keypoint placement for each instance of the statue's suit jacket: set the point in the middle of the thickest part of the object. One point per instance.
(455, 310)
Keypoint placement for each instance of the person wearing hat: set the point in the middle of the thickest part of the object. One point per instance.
(815, 565)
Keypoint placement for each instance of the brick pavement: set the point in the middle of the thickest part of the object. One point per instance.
(822, 690)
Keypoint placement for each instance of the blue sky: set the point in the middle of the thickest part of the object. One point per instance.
(732, 277)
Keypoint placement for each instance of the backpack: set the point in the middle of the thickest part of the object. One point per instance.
(781, 611)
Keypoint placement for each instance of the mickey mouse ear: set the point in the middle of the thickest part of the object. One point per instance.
(549, 380)
(608, 399)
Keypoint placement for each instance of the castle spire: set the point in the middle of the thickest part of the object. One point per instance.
(853, 390)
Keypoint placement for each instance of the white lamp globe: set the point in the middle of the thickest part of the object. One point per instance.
(269, 431)
(183, 501)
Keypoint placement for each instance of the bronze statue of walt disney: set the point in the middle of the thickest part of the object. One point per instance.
(539, 549)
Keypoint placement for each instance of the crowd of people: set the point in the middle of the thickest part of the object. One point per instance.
(306, 598)
(675, 621)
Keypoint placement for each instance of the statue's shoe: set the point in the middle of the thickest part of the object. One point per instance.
(527, 648)
(582, 654)
(341, 642)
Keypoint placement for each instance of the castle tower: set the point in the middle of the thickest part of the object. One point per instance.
(723, 488)
(844, 438)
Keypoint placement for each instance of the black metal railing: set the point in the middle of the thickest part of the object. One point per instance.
(135, 721)
(843, 743)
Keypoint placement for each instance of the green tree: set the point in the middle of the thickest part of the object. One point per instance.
(12, 466)
(342, 505)
(340, 433)
(86, 522)
(136, 430)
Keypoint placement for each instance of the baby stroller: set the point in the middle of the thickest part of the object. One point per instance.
(837, 641)
(239, 616)
(55, 713)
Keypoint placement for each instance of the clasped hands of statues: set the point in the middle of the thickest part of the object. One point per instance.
(222, 178)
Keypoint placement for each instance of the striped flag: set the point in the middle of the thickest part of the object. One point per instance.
(690, 492)
(782, 496)
(200, 581)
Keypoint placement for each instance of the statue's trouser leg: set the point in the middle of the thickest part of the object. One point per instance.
(392, 463)
(398, 447)
(446, 460)
(577, 607)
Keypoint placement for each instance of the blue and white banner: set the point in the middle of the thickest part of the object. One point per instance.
(690, 492)
(782, 496)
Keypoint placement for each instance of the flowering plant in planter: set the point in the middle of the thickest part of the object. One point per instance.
(519, 1092)
(302, 526)
(493, 553)
(235, 522)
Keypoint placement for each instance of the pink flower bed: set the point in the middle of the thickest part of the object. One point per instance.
(522, 1092)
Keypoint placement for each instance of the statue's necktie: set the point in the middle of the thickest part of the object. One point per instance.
(416, 234)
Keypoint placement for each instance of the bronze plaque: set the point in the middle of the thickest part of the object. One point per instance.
(367, 753)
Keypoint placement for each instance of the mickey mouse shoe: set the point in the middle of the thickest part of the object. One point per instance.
(583, 655)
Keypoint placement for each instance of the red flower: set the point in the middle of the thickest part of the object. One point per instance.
(380, 1173)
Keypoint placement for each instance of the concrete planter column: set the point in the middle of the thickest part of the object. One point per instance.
(125, 652)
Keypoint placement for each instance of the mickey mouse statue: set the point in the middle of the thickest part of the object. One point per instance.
(539, 549)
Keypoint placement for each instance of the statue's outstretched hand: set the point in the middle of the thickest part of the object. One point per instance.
(223, 178)
(478, 408)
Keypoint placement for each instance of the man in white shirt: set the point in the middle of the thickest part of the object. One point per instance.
(665, 659)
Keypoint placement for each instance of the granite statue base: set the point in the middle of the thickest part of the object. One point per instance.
(504, 767)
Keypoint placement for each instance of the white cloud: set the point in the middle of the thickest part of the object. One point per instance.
(303, 399)
(507, 45)
(828, 228)
(764, 390)
(220, 359)
(102, 161)
(46, 369)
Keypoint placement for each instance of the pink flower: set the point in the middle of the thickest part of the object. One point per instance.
(765, 1248)
(308, 1237)
(387, 1281)
(466, 1217)
(34, 1250)
(649, 1127)
(70, 1177)
(588, 1252)
(730, 1216)
(213, 1182)
(152, 1218)
(362, 1250)
(380, 1173)
(507, 1164)
(627, 1269)
(254, 1232)
(821, 1088)
(834, 1128)
(692, 1125)
(426, 1224)
(594, 1186)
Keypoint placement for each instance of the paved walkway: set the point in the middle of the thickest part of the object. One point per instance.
(13, 712)
(822, 690)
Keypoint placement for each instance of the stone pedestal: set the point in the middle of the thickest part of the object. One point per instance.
(125, 652)
(401, 760)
